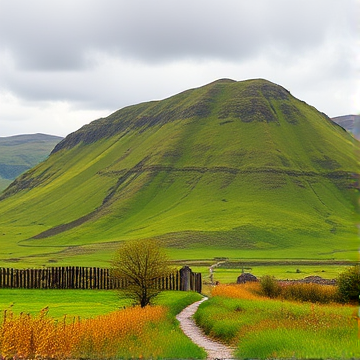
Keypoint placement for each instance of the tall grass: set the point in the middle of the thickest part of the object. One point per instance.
(265, 328)
(315, 293)
(310, 292)
(135, 332)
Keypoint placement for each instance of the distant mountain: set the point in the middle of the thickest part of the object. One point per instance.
(350, 123)
(20, 153)
(230, 169)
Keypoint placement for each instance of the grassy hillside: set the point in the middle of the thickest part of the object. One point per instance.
(21, 152)
(233, 169)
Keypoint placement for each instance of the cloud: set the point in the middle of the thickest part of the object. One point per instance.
(51, 117)
(59, 35)
(81, 58)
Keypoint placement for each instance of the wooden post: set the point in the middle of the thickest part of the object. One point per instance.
(108, 285)
(94, 278)
(185, 278)
(198, 286)
(72, 277)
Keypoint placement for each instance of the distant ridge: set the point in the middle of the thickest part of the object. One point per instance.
(19, 153)
(23, 138)
(229, 169)
(350, 123)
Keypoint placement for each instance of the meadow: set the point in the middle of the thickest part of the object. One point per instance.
(263, 328)
(103, 330)
(97, 324)
(228, 274)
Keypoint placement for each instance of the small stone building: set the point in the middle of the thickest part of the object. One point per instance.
(246, 277)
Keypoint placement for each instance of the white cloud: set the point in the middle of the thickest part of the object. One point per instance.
(49, 117)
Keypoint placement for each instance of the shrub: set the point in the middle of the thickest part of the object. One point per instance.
(269, 286)
(349, 284)
(311, 292)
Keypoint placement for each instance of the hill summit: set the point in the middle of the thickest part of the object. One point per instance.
(241, 169)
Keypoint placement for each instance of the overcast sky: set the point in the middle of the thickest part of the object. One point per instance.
(64, 63)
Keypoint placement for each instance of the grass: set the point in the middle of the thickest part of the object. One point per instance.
(226, 275)
(247, 188)
(264, 328)
(84, 303)
(101, 332)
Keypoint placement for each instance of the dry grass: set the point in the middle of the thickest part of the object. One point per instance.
(249, 291)
(106, 336)
(310, 292)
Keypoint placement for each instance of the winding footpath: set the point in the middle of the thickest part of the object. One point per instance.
(214, 349)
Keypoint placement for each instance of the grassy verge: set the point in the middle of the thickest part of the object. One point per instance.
(263, 328)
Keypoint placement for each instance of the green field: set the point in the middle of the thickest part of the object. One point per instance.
(83, 303)
(241, 170)
(278, 329)
(281, 272)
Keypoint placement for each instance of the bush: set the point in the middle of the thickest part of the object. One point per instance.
(315, 293)
(349, 284)
(269, 286)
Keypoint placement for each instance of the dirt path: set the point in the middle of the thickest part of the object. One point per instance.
(211, 271)
(215, 350)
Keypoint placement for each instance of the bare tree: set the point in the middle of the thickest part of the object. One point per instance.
(140, 263)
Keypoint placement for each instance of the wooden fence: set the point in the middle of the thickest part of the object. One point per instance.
(73, 277)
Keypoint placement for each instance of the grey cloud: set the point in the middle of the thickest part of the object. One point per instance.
(58, 35)
(96, 56)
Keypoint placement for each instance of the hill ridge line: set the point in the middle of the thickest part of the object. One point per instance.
(216, 169)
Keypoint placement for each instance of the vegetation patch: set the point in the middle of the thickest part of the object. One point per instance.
(265, 328)
(132, 332)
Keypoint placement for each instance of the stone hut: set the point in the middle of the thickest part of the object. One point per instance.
(246, 277)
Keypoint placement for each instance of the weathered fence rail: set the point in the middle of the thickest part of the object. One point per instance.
(73, 277)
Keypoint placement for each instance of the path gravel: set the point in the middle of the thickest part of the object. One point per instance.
(214, 349)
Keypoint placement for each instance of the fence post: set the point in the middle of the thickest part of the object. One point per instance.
(198, 284)
(185, 278)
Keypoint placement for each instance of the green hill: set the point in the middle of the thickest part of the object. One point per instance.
(231, 169)
(20, 153)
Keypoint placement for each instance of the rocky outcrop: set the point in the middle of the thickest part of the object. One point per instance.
(246, 277)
